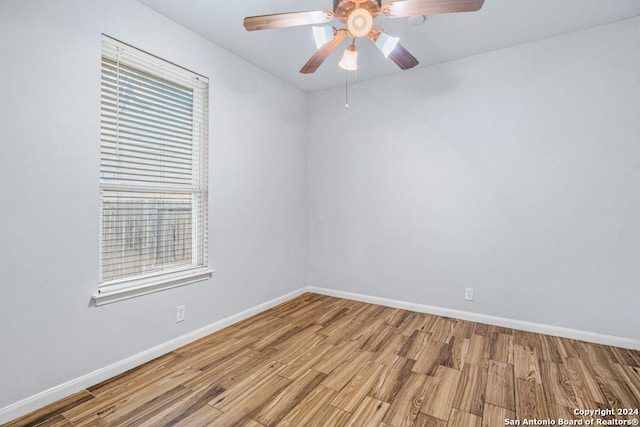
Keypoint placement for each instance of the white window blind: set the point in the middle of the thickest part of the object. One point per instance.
(153, 169)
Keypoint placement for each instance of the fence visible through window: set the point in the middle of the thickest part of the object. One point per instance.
(146, 235)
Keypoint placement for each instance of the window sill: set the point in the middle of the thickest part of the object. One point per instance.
(151, 285)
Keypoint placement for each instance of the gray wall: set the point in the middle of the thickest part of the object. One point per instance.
(515, 172)
(49, 163)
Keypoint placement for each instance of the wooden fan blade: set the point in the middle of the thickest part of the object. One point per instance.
(321, 54)
(292, 19)
(400, 55)
(404, 8)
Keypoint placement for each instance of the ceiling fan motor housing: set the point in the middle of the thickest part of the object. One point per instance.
(342, 8)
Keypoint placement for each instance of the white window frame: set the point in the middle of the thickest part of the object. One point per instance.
(135, 284)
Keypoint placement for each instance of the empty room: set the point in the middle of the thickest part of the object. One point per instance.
(320, 213)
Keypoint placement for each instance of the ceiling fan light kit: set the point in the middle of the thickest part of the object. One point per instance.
(359, 22)
(349, 59)
(386, 43)
(358, 17)
(322, 35)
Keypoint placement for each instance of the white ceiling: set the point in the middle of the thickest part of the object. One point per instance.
(282, 52)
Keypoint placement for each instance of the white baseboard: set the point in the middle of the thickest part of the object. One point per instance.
(58, 392)
(540, 328)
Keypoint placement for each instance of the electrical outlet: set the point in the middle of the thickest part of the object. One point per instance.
(468, 294)
(180, 313)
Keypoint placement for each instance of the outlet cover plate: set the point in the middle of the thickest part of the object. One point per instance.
(468, 294)
(180, 311)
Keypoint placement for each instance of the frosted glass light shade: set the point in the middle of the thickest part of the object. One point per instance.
(359, 22)
(322, 35)
(386, 43)
(349, 59)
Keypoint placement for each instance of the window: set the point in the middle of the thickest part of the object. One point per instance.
(153, 174)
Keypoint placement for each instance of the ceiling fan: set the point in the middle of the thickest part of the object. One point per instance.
(358, 17)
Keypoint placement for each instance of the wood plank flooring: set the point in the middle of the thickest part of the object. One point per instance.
(324, 361)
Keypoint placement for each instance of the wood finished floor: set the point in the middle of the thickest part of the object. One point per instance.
(324, 361)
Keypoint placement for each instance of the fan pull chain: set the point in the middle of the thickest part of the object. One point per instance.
(346, 89)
